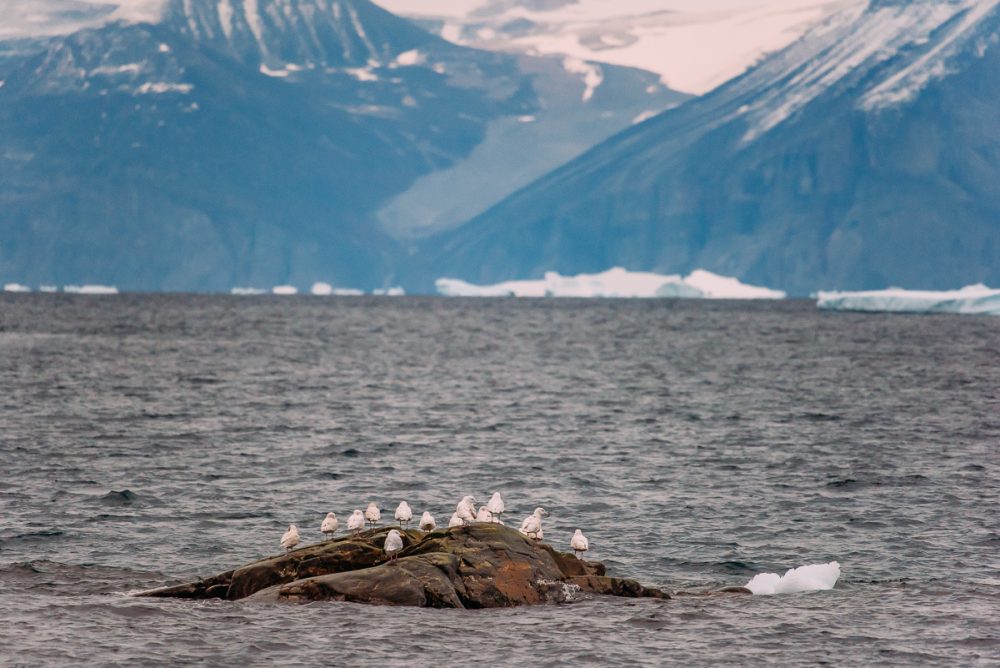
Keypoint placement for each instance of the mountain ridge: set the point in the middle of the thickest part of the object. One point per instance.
(783, 177)
(170, 156)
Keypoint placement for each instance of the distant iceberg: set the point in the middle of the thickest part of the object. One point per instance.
(16, 287)
(284, 290)
(321, 289)
(616, 282)
(389, 292)
(91, 289)
(970, 300)
(246, 292)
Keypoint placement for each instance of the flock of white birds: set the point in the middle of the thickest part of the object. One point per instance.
(465, 513)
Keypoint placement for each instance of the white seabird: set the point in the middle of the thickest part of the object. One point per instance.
(495, 506)
(372, 514)
(330, 524)
(393, 544)
(455, 521)
(403, 513)
(532, 524)
(356, 522)
(290, 538)
(483, 515)
(466, 509)
(579, 543)
(427, 522)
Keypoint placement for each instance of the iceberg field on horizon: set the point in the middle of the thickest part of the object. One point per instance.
(970, 300)
(615, 282)
(91, 289)
(16, 287)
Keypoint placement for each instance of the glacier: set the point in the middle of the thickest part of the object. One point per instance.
(970, 300)
(615, 282)
(693, 46)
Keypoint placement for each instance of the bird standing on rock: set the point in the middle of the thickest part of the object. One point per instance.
(403, 513)
(290, 538)
(330, 524)
(466, 509)
(495, 507)
(427, 522)
(579, 543)
(372, 514)
(455, 521)
(356, 522)
(483, 515)
(532, 524)
(393, 544)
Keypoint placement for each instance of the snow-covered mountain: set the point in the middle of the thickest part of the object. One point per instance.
(695, 45)
(262, 142)
(865, 154)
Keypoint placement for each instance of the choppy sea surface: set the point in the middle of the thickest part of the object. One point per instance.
(145, 440)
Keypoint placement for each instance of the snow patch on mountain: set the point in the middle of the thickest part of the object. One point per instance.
(410, 58)
(590, 73)
(160, 87)
(854, 42)
(905, 84)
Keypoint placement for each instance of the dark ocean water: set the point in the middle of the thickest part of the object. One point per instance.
(695, 443)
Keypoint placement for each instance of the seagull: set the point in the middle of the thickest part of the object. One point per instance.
(466, 509)
(427, 522)
(290, 539)
(393, 544)
(330, 524)
(455, 521)
(483, 515)
(495, 506)
(579, 543)
(356, 522)
(372, 513)
(403, 513)
(532, 524)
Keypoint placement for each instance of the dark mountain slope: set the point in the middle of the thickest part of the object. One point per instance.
(866, 154)
(236, 143)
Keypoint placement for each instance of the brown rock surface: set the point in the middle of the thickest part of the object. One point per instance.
(474, 566)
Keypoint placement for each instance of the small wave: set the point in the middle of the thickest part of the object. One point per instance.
(122, 498)
(814, 577)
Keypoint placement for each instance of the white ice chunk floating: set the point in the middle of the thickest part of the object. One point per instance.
(284, 290)
(970, 300)
(616, 282)
(16, 287)
(91, 289)
(321, 289)
(814, 577)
